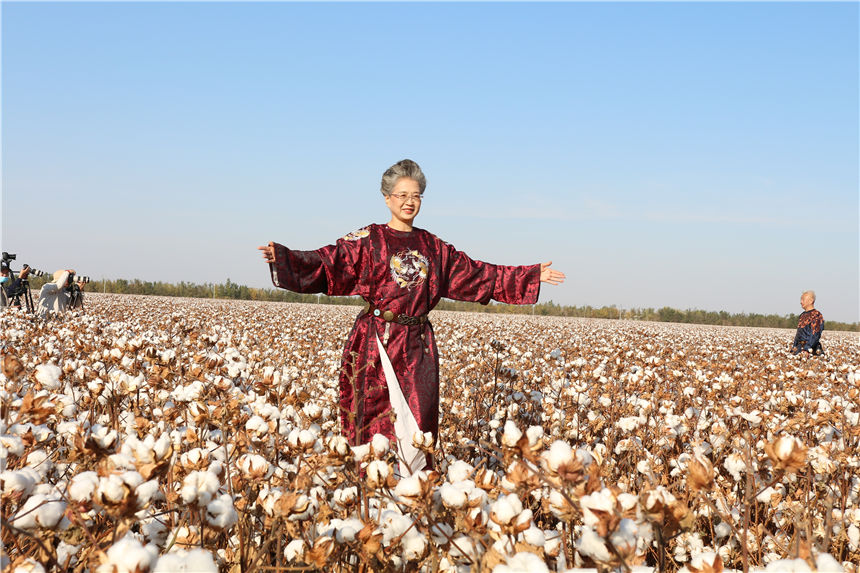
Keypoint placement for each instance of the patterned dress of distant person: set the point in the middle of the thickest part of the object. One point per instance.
(405, 274)
(808, 336)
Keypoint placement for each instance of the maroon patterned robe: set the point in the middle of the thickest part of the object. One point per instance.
(407, 273)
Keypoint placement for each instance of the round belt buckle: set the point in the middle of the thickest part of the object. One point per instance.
(375, 312)
(388, 315)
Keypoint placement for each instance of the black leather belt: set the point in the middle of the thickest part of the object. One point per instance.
(389, 316)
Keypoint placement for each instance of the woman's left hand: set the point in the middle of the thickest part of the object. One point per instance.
(551, 276)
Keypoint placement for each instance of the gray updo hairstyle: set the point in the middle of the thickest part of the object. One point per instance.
(404, 168)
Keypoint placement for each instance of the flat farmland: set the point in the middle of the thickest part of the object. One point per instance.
(165, 434)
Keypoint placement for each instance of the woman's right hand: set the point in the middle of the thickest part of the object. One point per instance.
(268, 252)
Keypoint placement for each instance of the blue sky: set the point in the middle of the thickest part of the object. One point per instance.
(694, 155)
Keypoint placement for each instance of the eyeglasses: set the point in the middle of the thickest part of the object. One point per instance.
(404, 198)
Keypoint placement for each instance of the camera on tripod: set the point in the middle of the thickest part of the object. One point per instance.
(7, 257)
(19, 295)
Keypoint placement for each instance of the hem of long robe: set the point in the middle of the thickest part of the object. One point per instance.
(405, 424)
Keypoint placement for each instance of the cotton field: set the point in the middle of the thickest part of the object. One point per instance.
(155, 434)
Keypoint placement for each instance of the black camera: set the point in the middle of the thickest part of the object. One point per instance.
(9, 257)
(82, 279)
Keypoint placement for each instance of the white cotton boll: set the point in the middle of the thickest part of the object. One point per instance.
(534, 435)
(464, 547)
(339, 445)
(524, 518)
(735, 465)
(534, 536)
(455, 495)
(83, 485)
(585, 457)
(644, 467)
(196, 457)
(423, 439)
(495, 424)
(754, 417)
(552, 542)
(393, 524)
(628, 501)
(13, 444)
(162, 447)
(220, 512)
(145, 492)
(40, 510)
(624, 538)
(592, 545)
(825, 563)
(722, 530)
(254, 466)
(602, 500)
(414, 543)
(199, 487)
(522, 562)
(154, 530)
(459, 471)
(788, 566)
(48, 375)
(295, 550)
(128, 555)
(345, 496)
(378, 471)
(104, 437)
(703, 561)
(29, 565)
(347, 530)
(379, 445)
(68, 430)
(511, 435)
(257, 426)
(39, 460)
(132, 478)
(853, 533)
(111, 489)
(628, 424)
(505, 509)
(410, 486)
(306, 439)
(361, 452)
(766, 494)
(19, 481)
(182, 561)
(67, 554)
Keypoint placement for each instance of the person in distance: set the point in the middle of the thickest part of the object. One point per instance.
(10, 285)
(390, 364)
(54, 296)
(807, 340)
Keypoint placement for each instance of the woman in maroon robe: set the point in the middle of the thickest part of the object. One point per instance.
(402, 272)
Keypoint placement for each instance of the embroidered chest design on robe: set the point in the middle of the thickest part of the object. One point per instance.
(409, 268)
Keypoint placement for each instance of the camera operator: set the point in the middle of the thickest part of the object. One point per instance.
(11, 285)
(56, 296)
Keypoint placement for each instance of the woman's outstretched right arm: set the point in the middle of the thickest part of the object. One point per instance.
(332, 270)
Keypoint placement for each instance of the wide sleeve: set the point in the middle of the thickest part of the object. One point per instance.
(333, 270)
(476, 281)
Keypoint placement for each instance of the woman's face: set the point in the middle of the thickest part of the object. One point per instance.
(404, 201)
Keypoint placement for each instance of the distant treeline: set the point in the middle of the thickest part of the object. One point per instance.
(231, 290)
